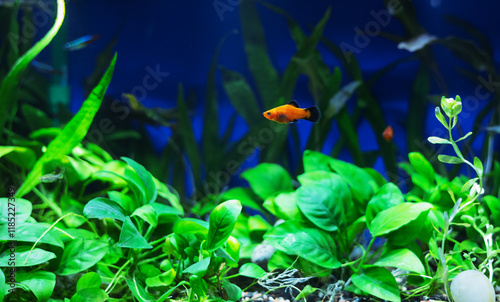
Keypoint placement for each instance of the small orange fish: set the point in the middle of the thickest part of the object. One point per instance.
(291, 112)
(388, 134)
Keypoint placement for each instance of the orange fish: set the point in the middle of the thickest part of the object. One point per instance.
(291, 112)
(388, 133)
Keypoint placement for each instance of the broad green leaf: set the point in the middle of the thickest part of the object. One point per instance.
(31, 232)
(199, 268)
(312, 244)
(316, 161)
(447, 159)
(130, 236)
(101, 207)
(267, 179)
(198, 285)
(191, 226)
(245, 195)
(284, 206)
(147, 180)
(479, 166)
(20, 156)
(252, 270)
(221, 223)
(90, 295)
(80, 254)
(493, 204)
(306, 291)
(41, 283)
(324, 205)
(401, 258)
(148, 213)
(233, 291)
(89, 280)
(163, 279)
(36, 257)
(379, 282)
(72, 134)
(422, 166)
(166, 214)
(396, 217)
(10, 83)
(438, 140)
(387, 196)
(17, 210)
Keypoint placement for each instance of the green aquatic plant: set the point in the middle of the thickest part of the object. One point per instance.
(9, 84)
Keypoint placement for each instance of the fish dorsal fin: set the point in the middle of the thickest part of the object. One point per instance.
(294, 104)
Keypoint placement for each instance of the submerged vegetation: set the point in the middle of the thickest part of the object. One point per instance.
(80, 225)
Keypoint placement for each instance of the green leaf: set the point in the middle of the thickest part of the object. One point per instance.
(284, 205)
(252, 270)
(245, 195)
(41, 283)
(163, 279)
(479, 166)
(440, 117)
(101, 207)
(36, 257)
(166, 214)
(466, 187)
(191, 226)
(422, 166)
(169, 194)
(130, 236)
(438, 140)
(311, 244)
(306, 291)
(3, 286)
(80, 254)
(72, 134)
(10, 83)
(90, 295)
(378, 282)
(221, 223)
(137, 287)
(396, 217)
(148, 213)
(267, 179)
(31, 232)
(447, 159)
(387, 196)
(401, 258)
(147, 180)
(265, 75)
(22, 210)
(199, 268)
(89, 280)
(198, 285)
(20, 156)
(324, 206)
(233, 291)
(464, 137)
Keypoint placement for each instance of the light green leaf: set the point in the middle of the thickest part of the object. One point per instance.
(89, 280)
(252, 270)
(101, 207)
(36, 257)
(401, 258)
(148, 213)
(479, 166)
(447, 159)
(199, 268)
(147, 180)
(191, 226)
(306, 291)
(221, 223)
(438, 140)
(130, 236)
(422, 166)
(464, 137)
(18, 211)
(284, 205)
(267, 179)
(440, 117)
(396, 217)
(387, 196)
(379, 282)
(31, 232)
(41, 283)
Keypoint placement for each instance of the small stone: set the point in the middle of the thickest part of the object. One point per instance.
(470, 286)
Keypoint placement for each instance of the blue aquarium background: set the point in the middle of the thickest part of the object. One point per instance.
(168, 43)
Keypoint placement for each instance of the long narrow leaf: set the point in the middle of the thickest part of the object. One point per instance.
(72, 134)
(9, 83)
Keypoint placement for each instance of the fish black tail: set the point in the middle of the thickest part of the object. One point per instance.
(314, 114)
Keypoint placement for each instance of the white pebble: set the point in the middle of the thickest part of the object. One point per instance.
(470, 286)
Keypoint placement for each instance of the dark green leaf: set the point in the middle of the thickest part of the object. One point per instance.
(361, 183)
(191, 226)
(198, 285)
(379, 282)
(80, 254)
(245, 195)
(146, 178)
(130, 236)
(221, 223)
(20, 156)
(233, 291)
(31, 232)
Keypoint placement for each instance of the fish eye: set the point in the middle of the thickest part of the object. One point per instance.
(269, 113)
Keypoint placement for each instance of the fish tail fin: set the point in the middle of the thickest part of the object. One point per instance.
(314, 114)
